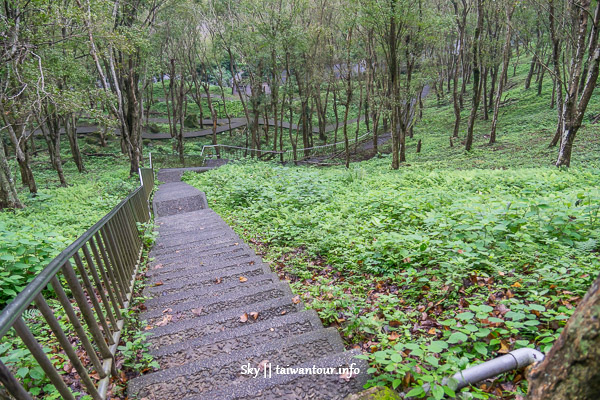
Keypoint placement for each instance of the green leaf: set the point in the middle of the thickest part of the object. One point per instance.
(418, 391)
(22, 372)
(465, 316)
(437, 392)
(457, 337)
(481, 348)
(437, 346)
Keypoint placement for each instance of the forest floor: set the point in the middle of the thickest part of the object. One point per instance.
(454, 259)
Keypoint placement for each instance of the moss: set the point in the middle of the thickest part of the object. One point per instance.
(375, 393)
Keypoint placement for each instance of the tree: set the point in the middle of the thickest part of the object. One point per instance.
(577, 95)
(572, 368)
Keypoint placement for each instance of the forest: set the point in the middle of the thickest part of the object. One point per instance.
(423, 173)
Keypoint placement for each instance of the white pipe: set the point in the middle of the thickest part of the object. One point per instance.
(516, 359)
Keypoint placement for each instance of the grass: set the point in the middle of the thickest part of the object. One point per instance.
(454, 259)
(30, 238)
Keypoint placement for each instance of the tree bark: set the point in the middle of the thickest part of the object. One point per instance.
(476, 73)
(572, 368)
(504, 72)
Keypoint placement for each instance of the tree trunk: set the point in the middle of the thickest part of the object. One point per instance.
(8, 192)
(71, 130)
(575, 103)
(476, 73)
(503, 72)
(572, 368)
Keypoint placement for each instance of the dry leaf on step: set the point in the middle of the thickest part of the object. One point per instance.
(242, 279)
(197, 311)
(166, 319)
(244, 318)
(254, 315)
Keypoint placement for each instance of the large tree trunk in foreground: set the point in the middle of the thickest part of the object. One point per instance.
(572, 368)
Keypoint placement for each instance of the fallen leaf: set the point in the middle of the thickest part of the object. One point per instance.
(218, 280)
(262, 365)
(166, 319)
(503, 347)
(394, 336)
(242, 279)
(197, 311)
(394, 324)
(147, 328)
(166, 310)
(346, 376)
(516, 284)
(159, 283)
(431, 331)
(244, 318)
(254, 315)
(158, 266)
(283, 312)
(296, 299)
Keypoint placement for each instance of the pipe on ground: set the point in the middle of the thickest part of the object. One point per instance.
(516, 359)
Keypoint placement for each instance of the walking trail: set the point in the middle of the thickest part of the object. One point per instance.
(215, 307)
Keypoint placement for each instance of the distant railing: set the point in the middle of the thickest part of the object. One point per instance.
(92, 279)
(175, 161)
(323, 151)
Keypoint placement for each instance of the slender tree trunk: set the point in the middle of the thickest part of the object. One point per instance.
(575, 103)
(8, 191)
(504, 72)
(71, 131)
(476, 73)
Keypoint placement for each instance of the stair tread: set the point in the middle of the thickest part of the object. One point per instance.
(225, 369)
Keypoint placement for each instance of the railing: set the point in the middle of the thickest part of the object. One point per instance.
(324, 151)
(175, 161)
(98, 272)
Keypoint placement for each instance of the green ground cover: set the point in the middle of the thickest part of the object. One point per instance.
(453, 259)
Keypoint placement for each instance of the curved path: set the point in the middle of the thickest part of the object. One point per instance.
(223, 126)
(215, 308)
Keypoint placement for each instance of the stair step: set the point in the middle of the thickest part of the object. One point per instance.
(191, 233)
(222, 247)
(198, 267)
(194, 244)
(242, 298)
(197, 216)
(210, 374)
(199, 271)
(163, 302)
(238, 339)
(192, 255)
(176, 332)
(189, 224)
(210, 277)
(330, 386)
(204, 245)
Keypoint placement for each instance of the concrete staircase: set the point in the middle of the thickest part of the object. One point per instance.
(216, 309)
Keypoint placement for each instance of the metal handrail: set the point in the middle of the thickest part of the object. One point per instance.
(106, 258)
(308, 150)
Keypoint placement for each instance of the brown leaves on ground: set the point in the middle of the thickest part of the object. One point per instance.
(243, 279)
(296, 299)
(218, 281)
(197, 311)
(245, 316)
(165, 320)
